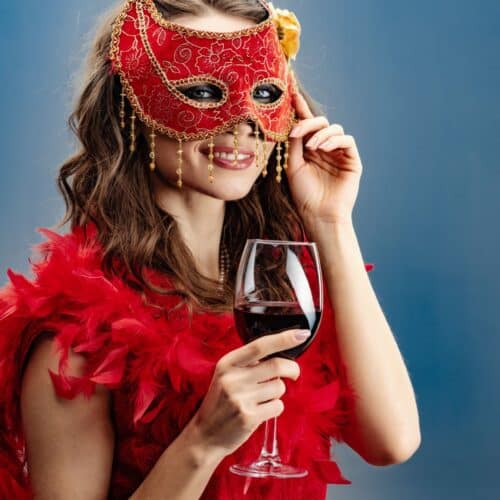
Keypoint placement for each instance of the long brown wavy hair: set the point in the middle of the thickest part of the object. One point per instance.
(103, 182)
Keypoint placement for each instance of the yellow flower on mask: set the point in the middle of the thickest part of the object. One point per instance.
(288, 28)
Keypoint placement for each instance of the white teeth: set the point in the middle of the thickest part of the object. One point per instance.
(230, 156)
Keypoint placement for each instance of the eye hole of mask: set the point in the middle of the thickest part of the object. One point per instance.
(267, 93)
(203, 92)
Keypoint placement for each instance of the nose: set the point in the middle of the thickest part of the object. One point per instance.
(245, 128)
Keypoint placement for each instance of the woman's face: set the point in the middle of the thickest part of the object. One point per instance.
(229, 184)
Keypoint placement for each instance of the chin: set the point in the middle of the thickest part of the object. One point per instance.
(230, 191)
(222, 189)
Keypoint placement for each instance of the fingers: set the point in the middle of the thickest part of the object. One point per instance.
(337, 141)
(272, 389)
(310, 125)
(322, 131)
(274, 367)
(264, 346)
(301, 106)
(325, 134)
(346, 143)
(296, 151)
(273, 408)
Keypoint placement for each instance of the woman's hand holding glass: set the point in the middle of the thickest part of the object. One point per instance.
(244, 392)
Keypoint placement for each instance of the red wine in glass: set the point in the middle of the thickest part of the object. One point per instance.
(278, 287)
(275, 317)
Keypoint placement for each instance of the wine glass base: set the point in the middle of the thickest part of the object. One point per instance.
(268, 468)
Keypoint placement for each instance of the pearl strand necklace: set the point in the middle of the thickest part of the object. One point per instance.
(223, 265)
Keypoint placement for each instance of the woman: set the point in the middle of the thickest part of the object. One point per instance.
(123, 375)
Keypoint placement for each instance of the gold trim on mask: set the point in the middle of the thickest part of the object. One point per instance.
(198, 79)
(280, 84)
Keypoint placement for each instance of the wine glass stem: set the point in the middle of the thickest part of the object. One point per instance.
(270, 450)
(270, 446)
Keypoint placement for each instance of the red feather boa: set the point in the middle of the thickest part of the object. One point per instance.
(158, 369)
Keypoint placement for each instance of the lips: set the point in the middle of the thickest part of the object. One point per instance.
(227, 163)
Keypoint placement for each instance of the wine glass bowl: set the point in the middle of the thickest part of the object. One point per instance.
(278, 287)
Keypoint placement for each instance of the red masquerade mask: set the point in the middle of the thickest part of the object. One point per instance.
(159, 60)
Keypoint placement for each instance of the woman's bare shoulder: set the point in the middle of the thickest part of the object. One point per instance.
(69, 441)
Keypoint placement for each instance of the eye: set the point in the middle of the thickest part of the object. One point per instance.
(267, 93)
(206, 92)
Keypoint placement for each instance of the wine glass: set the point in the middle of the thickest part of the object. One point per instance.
(278, 287)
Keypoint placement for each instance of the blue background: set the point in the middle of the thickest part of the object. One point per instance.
(416, 84)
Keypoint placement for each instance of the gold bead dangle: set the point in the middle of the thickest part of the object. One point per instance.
(235, 150)
(264, 157)
(179, 168)
(278, 162)
(257, 156)
(152, 164)
(211, 160)
(122, 109)
(132, 132)
(287, 147)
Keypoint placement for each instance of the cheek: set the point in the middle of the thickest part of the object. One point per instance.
(166, 154)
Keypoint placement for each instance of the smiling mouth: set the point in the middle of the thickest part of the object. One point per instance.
(224, 158)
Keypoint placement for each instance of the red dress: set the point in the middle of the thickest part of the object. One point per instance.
(158, 369)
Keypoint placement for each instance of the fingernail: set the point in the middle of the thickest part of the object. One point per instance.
(302, 334)
(295, 132)
(312, 143)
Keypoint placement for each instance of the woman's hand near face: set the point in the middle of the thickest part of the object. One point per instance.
(244, 392)
(324, 167)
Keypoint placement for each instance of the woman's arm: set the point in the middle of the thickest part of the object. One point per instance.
(385, 425)
(70, 442)
(183, 470)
